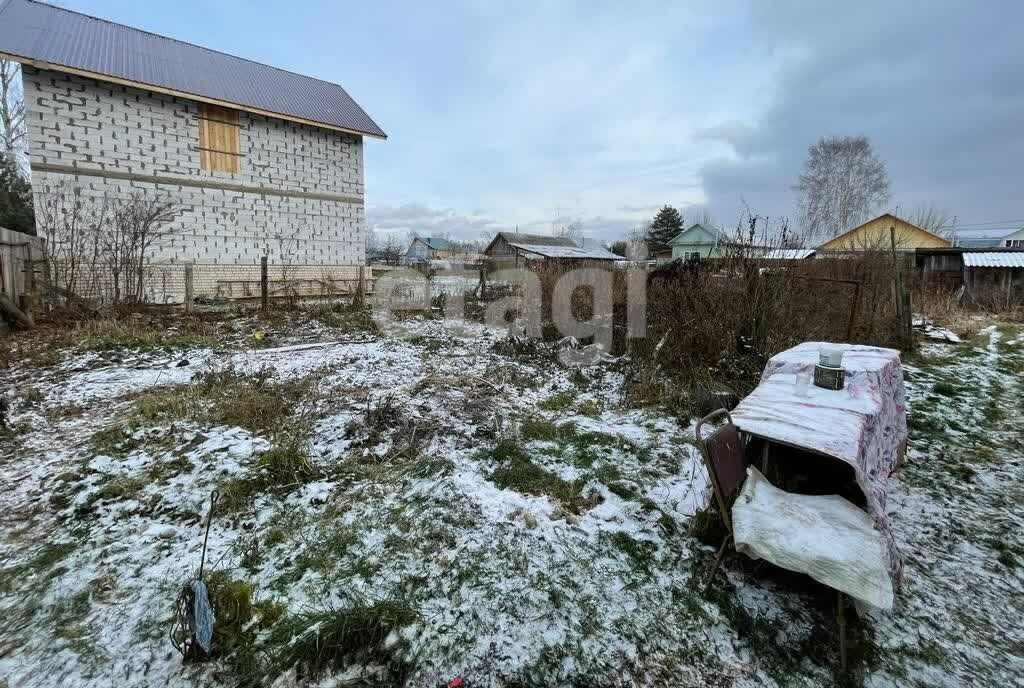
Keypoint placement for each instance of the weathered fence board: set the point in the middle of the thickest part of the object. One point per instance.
(19, 252)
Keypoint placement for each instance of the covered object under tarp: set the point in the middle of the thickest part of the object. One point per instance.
(824, 536)
(863, 425)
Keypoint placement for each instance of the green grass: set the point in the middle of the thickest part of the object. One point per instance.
(279, 470)
(332, 639)
(67, 620)
(344, 317)
(946, 389)
(118, 488)
(161, 470)
(516, 471)
(536, 428)
(640, 552)
(557, 402)
(43, 561)
(116, 441)
(590, 408)
(580, 380)
(320, 556)
(113, 335)
(252, 400)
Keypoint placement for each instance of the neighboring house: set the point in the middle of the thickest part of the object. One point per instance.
(427, 248)
(978, 241)
(512, 248)
(260, 161)
(662, 257)
(1015, 240)
(875, 235)
(1012, 239)
(697, 242)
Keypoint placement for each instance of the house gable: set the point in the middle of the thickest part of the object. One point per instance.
(1015, 240)
(875, 235)
(696, 234)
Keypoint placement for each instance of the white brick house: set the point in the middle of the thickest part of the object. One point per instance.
(254, 169)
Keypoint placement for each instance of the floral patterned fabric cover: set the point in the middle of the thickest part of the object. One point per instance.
(864, 424)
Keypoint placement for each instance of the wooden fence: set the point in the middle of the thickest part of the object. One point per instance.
(21, 256)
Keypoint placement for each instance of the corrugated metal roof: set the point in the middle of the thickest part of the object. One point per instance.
(35, 31)
(789, 253)
(571, 251)
(536, 239)
(435, 243)
(994, 259)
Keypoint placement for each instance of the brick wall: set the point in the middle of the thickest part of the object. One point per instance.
(298, 198)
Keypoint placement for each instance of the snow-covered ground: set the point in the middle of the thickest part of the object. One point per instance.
(534, 526)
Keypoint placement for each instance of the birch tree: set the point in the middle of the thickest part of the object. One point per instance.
(12, 112)
(843, 184)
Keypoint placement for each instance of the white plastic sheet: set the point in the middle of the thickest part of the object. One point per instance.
(826, 537)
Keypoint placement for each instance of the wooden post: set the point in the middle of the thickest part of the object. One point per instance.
(188, 288)
(264, 288)
(483, 282)
(27, 299)
(853, 312)
(898, 285)
(361, 288)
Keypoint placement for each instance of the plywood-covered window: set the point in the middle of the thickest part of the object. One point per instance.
(219, 148)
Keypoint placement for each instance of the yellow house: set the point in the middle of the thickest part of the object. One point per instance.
(875, 234)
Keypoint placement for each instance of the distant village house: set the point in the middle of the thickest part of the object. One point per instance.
(698, 242)
(512, 249)
(428, 248)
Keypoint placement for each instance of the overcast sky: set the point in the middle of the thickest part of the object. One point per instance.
(529, 113)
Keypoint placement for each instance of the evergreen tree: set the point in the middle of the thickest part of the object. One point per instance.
(663, 228)
(15, 198)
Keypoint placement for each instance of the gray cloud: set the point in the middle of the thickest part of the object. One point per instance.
(939, 92)
(426, 221)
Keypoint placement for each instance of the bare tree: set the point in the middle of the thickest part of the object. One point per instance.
(391, 250)
(288, 244)
(842, 184)
(931, 218)
(70, 223)
(385, 247)
(138, 226)
(572, 229)
(12, 111)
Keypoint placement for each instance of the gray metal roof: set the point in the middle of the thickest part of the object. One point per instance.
(536, 239)
(789, 253)
(571, 251)
(34, 31)
(994, 259)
